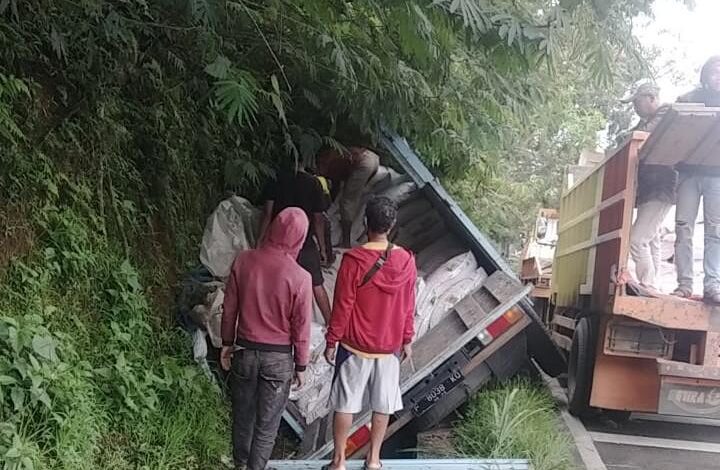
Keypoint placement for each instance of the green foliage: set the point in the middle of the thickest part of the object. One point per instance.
(88, 379)
(514, 420)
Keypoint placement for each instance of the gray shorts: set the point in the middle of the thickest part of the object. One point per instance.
(360, 380)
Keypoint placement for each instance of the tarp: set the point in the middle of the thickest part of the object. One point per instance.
(233, 226)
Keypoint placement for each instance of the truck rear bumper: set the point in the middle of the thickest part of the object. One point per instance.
(689, 390)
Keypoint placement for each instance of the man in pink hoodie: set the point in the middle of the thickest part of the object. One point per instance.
(371, 328)
(266, 322)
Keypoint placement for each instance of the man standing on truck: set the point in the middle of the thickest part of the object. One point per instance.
(656, 186)
(351, 169)
(370, 329)
(696, 182)
(267, 315)
(303, 190)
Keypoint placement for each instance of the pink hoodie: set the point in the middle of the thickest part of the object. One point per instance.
(268, 297)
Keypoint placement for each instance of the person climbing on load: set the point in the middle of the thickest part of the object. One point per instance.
(656, 186)
(301, 189)
(266, 316)
(699, 182)
(371, 327)
(350, 169)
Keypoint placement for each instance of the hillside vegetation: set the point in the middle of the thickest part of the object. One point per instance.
(124, 122)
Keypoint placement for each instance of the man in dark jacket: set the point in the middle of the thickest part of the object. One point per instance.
(370, 328)
(699, 182)
(655, 191)
(266, 314)
(304, 190)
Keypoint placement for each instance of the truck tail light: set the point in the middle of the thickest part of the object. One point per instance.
(358, 439)
(500, 326)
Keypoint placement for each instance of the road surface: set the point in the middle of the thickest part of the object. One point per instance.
(644, 443)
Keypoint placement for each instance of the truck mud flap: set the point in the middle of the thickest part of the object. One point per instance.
(540, 345)
(506, 362)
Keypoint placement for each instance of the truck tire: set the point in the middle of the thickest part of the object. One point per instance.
(580, 367)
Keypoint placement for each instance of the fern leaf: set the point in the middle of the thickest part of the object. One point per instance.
(237, 98)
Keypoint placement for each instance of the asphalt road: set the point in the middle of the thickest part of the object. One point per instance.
(642, 444)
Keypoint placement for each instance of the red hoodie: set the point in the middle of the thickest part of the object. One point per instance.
(376, 318)
(268, 297)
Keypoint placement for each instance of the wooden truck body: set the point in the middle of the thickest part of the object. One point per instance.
(628, 352)
(490, 333)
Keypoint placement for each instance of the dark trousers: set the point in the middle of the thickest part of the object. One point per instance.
(260, 388)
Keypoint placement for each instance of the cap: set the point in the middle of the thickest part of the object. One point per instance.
(644, 89)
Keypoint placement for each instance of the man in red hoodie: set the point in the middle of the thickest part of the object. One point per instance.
(266, 320)
(371, 326)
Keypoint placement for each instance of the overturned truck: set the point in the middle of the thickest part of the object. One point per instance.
(473, 320)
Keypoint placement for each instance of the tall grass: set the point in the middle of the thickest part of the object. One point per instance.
(514, 420)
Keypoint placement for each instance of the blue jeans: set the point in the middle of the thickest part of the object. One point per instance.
(690, 190)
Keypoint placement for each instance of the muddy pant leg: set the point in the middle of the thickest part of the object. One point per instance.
(276, 373)
(688, 202)
(244, 385)
(711, 215)
(644, 240)
(355, 185)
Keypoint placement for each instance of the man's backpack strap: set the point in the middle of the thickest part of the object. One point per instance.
(377, 265)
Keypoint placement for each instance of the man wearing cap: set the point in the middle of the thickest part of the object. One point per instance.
(696, 182)
(655, 191)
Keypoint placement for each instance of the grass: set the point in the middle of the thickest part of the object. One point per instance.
(514, 420)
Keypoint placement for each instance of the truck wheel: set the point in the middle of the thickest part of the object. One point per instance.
(580, 367)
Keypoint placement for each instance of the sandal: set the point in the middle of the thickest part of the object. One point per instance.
(682, 292)
(366, 466)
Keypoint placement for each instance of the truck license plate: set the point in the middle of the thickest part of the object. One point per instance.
(436, 393)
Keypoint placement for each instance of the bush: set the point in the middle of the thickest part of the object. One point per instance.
(91, 375)
(514, 420)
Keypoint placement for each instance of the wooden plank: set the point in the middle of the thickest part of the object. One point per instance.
(667, 311)
(561, 340)
(565, 322)
(501, 285)
(680, 135)
(712, 349)
(443, 351)
(590, 243)
(469, 311)
(427, 347)
(593, 211)
(683, 369)
(707, 151)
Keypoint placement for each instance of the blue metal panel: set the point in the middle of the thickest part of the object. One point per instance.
(454, 464)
